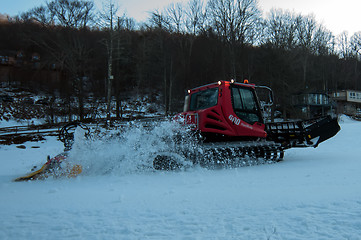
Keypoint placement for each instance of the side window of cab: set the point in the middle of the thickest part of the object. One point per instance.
(245, 105)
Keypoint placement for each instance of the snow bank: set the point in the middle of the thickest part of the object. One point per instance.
(312, 194)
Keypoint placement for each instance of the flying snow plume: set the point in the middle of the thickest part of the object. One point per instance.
(129, 150)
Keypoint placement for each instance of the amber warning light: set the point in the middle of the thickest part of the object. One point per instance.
(245, 81)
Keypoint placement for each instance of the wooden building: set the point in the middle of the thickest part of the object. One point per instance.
(348, 102)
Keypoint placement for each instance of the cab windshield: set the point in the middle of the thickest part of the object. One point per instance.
(204, 99)
(245, 104)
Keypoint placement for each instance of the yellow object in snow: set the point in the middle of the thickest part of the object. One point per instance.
(55, 168)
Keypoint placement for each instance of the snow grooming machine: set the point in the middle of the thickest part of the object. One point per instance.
(227, 118)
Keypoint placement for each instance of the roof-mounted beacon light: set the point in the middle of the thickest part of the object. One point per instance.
(245, 81)
(232, 80)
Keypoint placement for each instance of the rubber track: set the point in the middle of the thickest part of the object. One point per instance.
(220, 155)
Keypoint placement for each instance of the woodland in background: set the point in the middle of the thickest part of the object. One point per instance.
(84, 53)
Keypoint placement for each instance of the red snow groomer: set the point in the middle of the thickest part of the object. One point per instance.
(228, 118)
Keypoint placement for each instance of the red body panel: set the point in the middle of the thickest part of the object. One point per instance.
(221, 119)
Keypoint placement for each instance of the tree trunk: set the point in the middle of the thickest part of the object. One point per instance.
(165, 91)
(110, 76)
(118, 106)
(109, 88)
(170, 86)
(305, 84)
(356, 75)
(81, 99)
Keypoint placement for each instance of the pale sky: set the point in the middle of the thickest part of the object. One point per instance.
(336, 15)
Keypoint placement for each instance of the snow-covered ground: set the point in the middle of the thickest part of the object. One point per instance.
(312, 194)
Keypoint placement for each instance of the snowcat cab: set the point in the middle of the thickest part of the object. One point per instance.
(224, 111)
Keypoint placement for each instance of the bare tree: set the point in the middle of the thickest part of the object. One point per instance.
(280, 29)
(123, 57)
(71, 49)
(175, 14)
(158, 20)
(306, 27)
(40, 14)
(72, 13)
(322, 41)
(234, 21)
(195, 16)
(343, 45)
(126, 23)
(108, 18)
(355, 45)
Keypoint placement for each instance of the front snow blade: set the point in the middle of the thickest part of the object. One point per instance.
(306, 133)
(323, 129)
